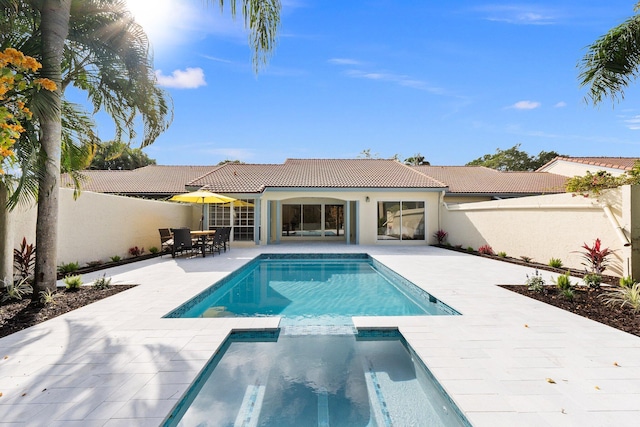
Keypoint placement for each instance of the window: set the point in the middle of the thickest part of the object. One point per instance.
(242, 213)
(315, 220)
(401, 221)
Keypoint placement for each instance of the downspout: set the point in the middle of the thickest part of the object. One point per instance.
(616, 225)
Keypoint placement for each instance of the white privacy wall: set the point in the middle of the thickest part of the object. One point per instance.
(542, 227)
(98, 226)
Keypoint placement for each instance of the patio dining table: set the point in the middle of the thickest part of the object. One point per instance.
(201, 235)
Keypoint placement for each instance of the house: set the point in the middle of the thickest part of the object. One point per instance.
(356, 201)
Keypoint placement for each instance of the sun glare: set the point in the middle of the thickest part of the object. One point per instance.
(155, 16)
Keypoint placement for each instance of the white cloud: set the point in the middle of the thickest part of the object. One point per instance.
(518, 14)
(399, 79)
(526, 105)
(560, 104)
(633, 123)
(344, 61)
(190, 78)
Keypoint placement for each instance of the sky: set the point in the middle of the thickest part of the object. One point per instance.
(450, 80)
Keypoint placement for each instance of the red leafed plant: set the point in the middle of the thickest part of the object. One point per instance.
(24, 260)
(486, 250)
(595, 257)
(441, 236)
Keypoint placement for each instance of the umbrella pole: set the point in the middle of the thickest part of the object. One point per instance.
(202, 218)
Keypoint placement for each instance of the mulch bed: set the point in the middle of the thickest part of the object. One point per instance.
(587, 303)
(18, 315)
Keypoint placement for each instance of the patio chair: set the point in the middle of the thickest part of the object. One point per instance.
(166, 240)
(216, 242)
(182, 241)
(226, 233)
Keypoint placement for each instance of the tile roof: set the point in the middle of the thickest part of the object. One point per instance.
(315, 173)
(623, 163)
(482, 180)
(148, 180)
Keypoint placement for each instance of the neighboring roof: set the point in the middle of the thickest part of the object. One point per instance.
(315, 173)
(150, 180)
(482, 180)
(622, 163)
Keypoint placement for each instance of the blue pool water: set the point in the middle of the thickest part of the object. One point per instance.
(269, 379)
(316, 288)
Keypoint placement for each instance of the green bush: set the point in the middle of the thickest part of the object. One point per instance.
(48, 297)
(73, 282)
(102, 282)
(535, 282)
(502, 254)
(116, 258)
(563, 282)
(592, 280)
(68, 268)
(627, 282)
(624, 296)
(16, 291)
(555, 263)
(470, 248)
(154, 250)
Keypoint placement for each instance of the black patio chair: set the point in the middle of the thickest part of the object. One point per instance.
(166, 241)
(182, 241)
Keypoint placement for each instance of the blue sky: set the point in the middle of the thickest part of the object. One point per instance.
(451, 80)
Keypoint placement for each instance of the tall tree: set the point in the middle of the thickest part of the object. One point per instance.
(513, 159)
(612, 61)
(114, 90)
(416, 160)
(116, 155)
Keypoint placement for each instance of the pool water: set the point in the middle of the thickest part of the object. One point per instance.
(270, 379)
(322, 290)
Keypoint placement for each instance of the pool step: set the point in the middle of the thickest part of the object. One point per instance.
(379, 411)
(318, 330)
(323, 408)
(251, 406)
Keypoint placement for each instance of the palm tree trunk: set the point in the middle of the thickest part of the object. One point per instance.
(55, 27)
(6, 237)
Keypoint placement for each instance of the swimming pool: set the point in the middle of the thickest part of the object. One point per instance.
(267, 379)
(316, 288)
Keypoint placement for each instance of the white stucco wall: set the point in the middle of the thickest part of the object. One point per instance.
(571, 169)
(542, 227)
(366, 212)
(97, 226)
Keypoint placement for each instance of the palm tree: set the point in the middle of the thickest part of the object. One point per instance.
(121, 97)
(612, 61)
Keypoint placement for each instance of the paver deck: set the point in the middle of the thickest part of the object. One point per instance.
(118, 362)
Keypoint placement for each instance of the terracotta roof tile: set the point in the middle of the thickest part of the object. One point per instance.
(482, 180)
(148, 180)
(315, 173)
(623, 163)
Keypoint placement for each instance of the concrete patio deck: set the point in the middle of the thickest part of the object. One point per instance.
(118, 363)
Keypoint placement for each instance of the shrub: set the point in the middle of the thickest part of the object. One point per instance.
(102, 282)
(627, 282)
(502, 254)
(624, 296)
(592, 280)
(525, 258)
(68, 268)
(73, 282)
(555, 263)
(94, 263)
(486, 250)
(535, 282)
(136, 251)
(595, 257)
(470, 248)
(568, 293)
(115, 258)
(563, 282)
(441, 236)
(17, 290)
(48, 297)
(154, 250)
(24, 260)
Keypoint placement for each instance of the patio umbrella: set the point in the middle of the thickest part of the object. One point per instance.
(203, 197)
